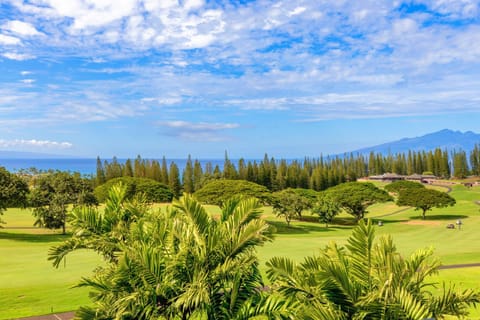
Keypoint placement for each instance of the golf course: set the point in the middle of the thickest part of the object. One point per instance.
(30, 285)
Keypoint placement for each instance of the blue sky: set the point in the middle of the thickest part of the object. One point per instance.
(290, 78)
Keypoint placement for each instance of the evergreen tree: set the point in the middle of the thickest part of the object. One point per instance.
(164, 172)
(187, 176)
(197, 175)
(174, 180)
(100, 177)
(127, 169)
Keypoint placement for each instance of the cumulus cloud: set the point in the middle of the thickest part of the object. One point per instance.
(33, 143)
(308, 60)
(199, 131)
(20, 28)
(8, 40)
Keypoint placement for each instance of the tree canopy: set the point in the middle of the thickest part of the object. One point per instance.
(53, 192)
(326, 208)
(13, 191)
(425, 199)
(290, 203)
(218, 191)
(356, 197)
(399, 186)
(152, 190)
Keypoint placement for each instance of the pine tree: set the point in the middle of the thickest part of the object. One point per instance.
(174, 180)
(187, 176)
(100, 177)
(127, 169)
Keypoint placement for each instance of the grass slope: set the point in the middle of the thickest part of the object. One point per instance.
(29, 285)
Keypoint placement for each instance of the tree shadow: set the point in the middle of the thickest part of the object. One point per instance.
(35, 238)
(440, 217)
(283, 228)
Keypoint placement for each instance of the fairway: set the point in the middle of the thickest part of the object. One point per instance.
(31, 286)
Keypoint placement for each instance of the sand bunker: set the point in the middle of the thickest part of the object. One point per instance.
(423, 223)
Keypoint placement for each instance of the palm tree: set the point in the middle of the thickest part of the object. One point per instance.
(177, 263)
(366, 280)
(103, 231)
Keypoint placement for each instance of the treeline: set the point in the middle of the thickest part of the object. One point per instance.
(317, 174)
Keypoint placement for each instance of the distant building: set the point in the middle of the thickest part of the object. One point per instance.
(391, 177)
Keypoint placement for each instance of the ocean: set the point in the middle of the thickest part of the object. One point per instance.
(85, 166)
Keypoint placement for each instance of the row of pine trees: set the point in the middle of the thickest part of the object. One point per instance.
(318, 174)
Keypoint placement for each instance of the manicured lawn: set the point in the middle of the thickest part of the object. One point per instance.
(29, 285)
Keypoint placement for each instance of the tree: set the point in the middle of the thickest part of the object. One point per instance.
(398, 186)
(425, 199)
(176, 264)
(356, 197)
(291, 203)
(13, 191)
(326, 208)
(100, 176)
(174, 180)
(152, 190)
(218, 191)
(51, 195)
(366, 279)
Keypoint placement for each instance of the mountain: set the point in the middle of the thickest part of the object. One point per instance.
(444, 139)
(29, 155)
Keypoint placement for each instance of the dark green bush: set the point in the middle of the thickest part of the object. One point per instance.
(154, 191)
(218, 191)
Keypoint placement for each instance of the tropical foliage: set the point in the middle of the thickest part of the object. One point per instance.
(366, 279)
(174, 264)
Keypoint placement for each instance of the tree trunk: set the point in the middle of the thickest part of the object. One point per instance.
(423, 214)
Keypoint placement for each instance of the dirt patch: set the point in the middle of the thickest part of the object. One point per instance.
(422, 223)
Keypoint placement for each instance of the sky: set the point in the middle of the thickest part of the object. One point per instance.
(107, 78)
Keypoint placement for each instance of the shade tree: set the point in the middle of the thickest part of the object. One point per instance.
(425, 199)
(356, 197)
(13, 191)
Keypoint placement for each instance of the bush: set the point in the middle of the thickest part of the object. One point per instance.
(154, 191)
(218, 191)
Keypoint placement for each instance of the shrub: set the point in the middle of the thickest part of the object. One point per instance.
(154, 191)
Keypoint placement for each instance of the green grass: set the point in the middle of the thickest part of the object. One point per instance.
(29, 285)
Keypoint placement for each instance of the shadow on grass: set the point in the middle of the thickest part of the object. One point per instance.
(441, 217)
(282, 227)
(36, 238)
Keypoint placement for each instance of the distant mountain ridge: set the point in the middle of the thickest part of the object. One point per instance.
(443, 139)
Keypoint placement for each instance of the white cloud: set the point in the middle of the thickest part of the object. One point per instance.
(199, 131)
(25, 73)
(33, 143)
(27, 81)
(21, 28)
(17, 56)
(8, 40)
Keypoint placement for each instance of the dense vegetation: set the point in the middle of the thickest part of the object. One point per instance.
(182, 263)
(317, 174)
(152, 190)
